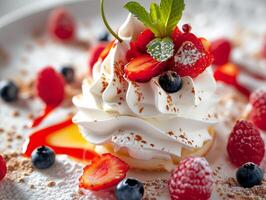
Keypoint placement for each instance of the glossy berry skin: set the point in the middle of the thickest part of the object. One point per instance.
(170, 82)
(43, 157)
(144, 39)
(68, 73)
(191, 180)
(186, 28)
(61, 25)
(245, 144)
(104, 37)
(3, 168)
(129, 189)
(249, 175)
(8, 91)
(221, 50)
(258, 112)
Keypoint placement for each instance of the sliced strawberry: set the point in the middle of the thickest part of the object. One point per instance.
(176, 33)
(104, 172)
(133, 52)
(191, 58)
(107, 49)
(144, 39)
(143, 68)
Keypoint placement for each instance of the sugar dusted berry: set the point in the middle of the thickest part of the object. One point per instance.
(245, 144)
(43, 157)
(170, 82)
(3, 168)
(192, 180)
(249, 175)
(129, 189)
(8, 91)
(221, 50)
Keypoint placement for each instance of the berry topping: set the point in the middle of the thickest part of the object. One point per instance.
(103, 172)
(245, 144)
(186, 28)
(8, 91)
(144, 39)
(176, 33)
(170, 82)
(129, 189)
(43, 157)
(61, 25)
(258, 113)
(95, 53)
(191, 58)
(50, 86)
(249, 175)
(192, 180)
(3, 168)
(221, 49)
(68, 73)
(143, 68)
(133, 52)
(104, 37)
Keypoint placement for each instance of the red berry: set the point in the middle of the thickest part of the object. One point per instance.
(192, 180)
(221, 49)
(133, 52)
(191, 58)
(50, 86)
(258, 113)
(176, 33)
(245, 144)
(104, 172)
(95, 54)
(3, 168)
(61, 25)
(143, 68)
(186, 28)
(144, 39)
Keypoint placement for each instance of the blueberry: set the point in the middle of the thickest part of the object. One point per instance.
(170, 82)
(129, 189)
(249, 175)
(104, 37)
(8, 91)
(43, 157)
(68, 73)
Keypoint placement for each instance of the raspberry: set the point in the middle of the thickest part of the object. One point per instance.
(3, 168)
(192, 180)
(221, 49)
(61, 25)
(50, 86)
(245, 144)
(258, 113)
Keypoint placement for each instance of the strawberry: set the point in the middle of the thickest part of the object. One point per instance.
(221, 49)
(206, 44)
(105, 171)
(143, 68)
(258, 113)
(245, 144)
(191, 58)
(192, 180)
(3, 168)
(144, 39)
(61, 25)
(132, 52)
(95, 53)
(176, 33)
(50, 86)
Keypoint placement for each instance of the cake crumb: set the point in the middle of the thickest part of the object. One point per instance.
(51, 184)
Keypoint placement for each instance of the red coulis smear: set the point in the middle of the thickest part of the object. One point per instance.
(65, 129)
(46, 111)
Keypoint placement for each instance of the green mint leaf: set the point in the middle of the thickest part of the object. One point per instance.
(155, 12)
(171, 11)
(140, 12)
(161, 49)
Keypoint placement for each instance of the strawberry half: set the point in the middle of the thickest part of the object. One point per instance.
(143, 68)
(144, 39)
(191, 58)
(104, 172)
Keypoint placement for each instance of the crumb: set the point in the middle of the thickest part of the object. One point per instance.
(16, 113)
(51, 184)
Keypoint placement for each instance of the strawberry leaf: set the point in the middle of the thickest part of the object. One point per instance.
(161, 49)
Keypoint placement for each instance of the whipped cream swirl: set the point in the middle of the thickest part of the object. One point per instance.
(141, 117)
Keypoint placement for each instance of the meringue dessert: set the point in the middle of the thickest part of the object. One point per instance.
(151, 100)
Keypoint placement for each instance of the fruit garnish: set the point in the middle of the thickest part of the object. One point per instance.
(191, 58)
(186, 28)
(176, 33)
(249, 175)
(104, 171)
(8, 91)
(61, 25)
(129, 189)
(245, 144)
(95, 54)
(170, 82)
(144, 39)
(43, 157)
(50, 86)
(191, 180)
(133, 52)
(221, 50)
(258, 113)
(161, 49)
(143, 68)
(68, 73)
(3, 168)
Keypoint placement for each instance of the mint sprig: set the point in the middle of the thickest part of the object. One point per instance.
(162, 18)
